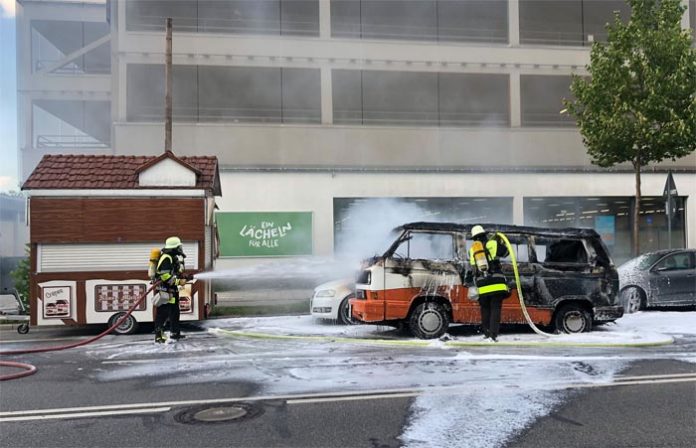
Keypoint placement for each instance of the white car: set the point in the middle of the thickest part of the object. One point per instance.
(330, 301)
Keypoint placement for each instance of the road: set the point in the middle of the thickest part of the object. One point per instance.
(127, 391)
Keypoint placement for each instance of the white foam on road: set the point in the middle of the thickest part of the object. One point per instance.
(494, 395)
(638, 328)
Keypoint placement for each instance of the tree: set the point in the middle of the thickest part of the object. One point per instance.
(639, 103)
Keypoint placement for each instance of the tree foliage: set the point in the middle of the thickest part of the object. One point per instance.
(639, 103)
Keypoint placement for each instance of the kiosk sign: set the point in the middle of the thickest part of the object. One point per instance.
(56, 302)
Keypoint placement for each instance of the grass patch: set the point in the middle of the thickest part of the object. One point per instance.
(275, 310)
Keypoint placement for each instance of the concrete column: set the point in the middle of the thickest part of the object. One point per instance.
(514, 22)
(685, 18)
(515, 100)
(326, 96)
(518, 210)
(325, 19)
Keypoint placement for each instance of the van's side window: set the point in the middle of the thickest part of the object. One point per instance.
(550, 250)
(427, 246)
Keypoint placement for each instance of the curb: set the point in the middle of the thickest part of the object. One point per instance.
(390, 342)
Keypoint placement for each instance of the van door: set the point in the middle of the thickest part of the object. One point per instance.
(564, 270)
(512, 311)
(423, 264)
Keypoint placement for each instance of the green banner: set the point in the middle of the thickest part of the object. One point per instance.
(264, 234)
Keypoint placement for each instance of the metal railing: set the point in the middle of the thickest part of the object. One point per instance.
(69, 141)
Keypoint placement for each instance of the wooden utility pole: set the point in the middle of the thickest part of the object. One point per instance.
(168, 88)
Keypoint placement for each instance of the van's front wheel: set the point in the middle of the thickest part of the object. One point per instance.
(429, 320)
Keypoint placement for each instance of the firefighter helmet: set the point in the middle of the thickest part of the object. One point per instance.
(477, 231)
(172, 242)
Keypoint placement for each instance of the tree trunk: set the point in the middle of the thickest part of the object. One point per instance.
(636, 210)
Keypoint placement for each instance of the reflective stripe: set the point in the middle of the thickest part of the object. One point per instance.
(492, 248)
(492, 288)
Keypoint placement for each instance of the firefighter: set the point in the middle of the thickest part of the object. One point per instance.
(170, 273)
(484, 257)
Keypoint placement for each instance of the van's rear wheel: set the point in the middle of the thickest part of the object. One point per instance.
(128, 326)
(573, 318)
(429, 320)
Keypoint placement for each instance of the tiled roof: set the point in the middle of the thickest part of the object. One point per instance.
(110, 172)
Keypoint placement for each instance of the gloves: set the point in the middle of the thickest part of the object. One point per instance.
(469, 277)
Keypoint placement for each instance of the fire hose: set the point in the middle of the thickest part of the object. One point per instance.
(30, 369)
(520, 295)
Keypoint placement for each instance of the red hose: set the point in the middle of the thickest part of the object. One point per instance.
(30, 369)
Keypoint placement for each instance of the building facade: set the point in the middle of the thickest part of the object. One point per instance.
(357, 113)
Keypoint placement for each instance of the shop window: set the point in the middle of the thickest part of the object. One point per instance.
(473, 99)
(612, 218)
(542, 100)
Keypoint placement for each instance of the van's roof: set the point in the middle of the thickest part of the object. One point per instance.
(568, 232)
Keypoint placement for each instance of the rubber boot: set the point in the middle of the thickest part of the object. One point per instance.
(159, 337)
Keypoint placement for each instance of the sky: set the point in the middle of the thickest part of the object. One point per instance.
(8, 98)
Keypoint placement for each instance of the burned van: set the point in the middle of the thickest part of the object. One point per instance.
(567, 277)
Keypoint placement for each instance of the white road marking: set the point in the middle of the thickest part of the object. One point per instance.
(84, 414)
(134, 408)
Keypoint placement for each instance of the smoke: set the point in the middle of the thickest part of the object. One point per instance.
(367, 225)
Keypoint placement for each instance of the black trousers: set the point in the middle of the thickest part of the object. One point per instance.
(168, 312)
(490, 314)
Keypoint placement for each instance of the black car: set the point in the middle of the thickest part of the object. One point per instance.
(665, 278)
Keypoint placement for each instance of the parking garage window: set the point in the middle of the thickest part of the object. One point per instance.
(264, 17)
(225, 94)
(413, 98)
(53, 40)
(542, 100)
(444, 20)
(567, 22)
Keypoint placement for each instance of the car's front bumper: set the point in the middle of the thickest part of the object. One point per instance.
(324, 307)
(607, 313)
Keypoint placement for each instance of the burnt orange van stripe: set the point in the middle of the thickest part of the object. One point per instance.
(464, 311)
